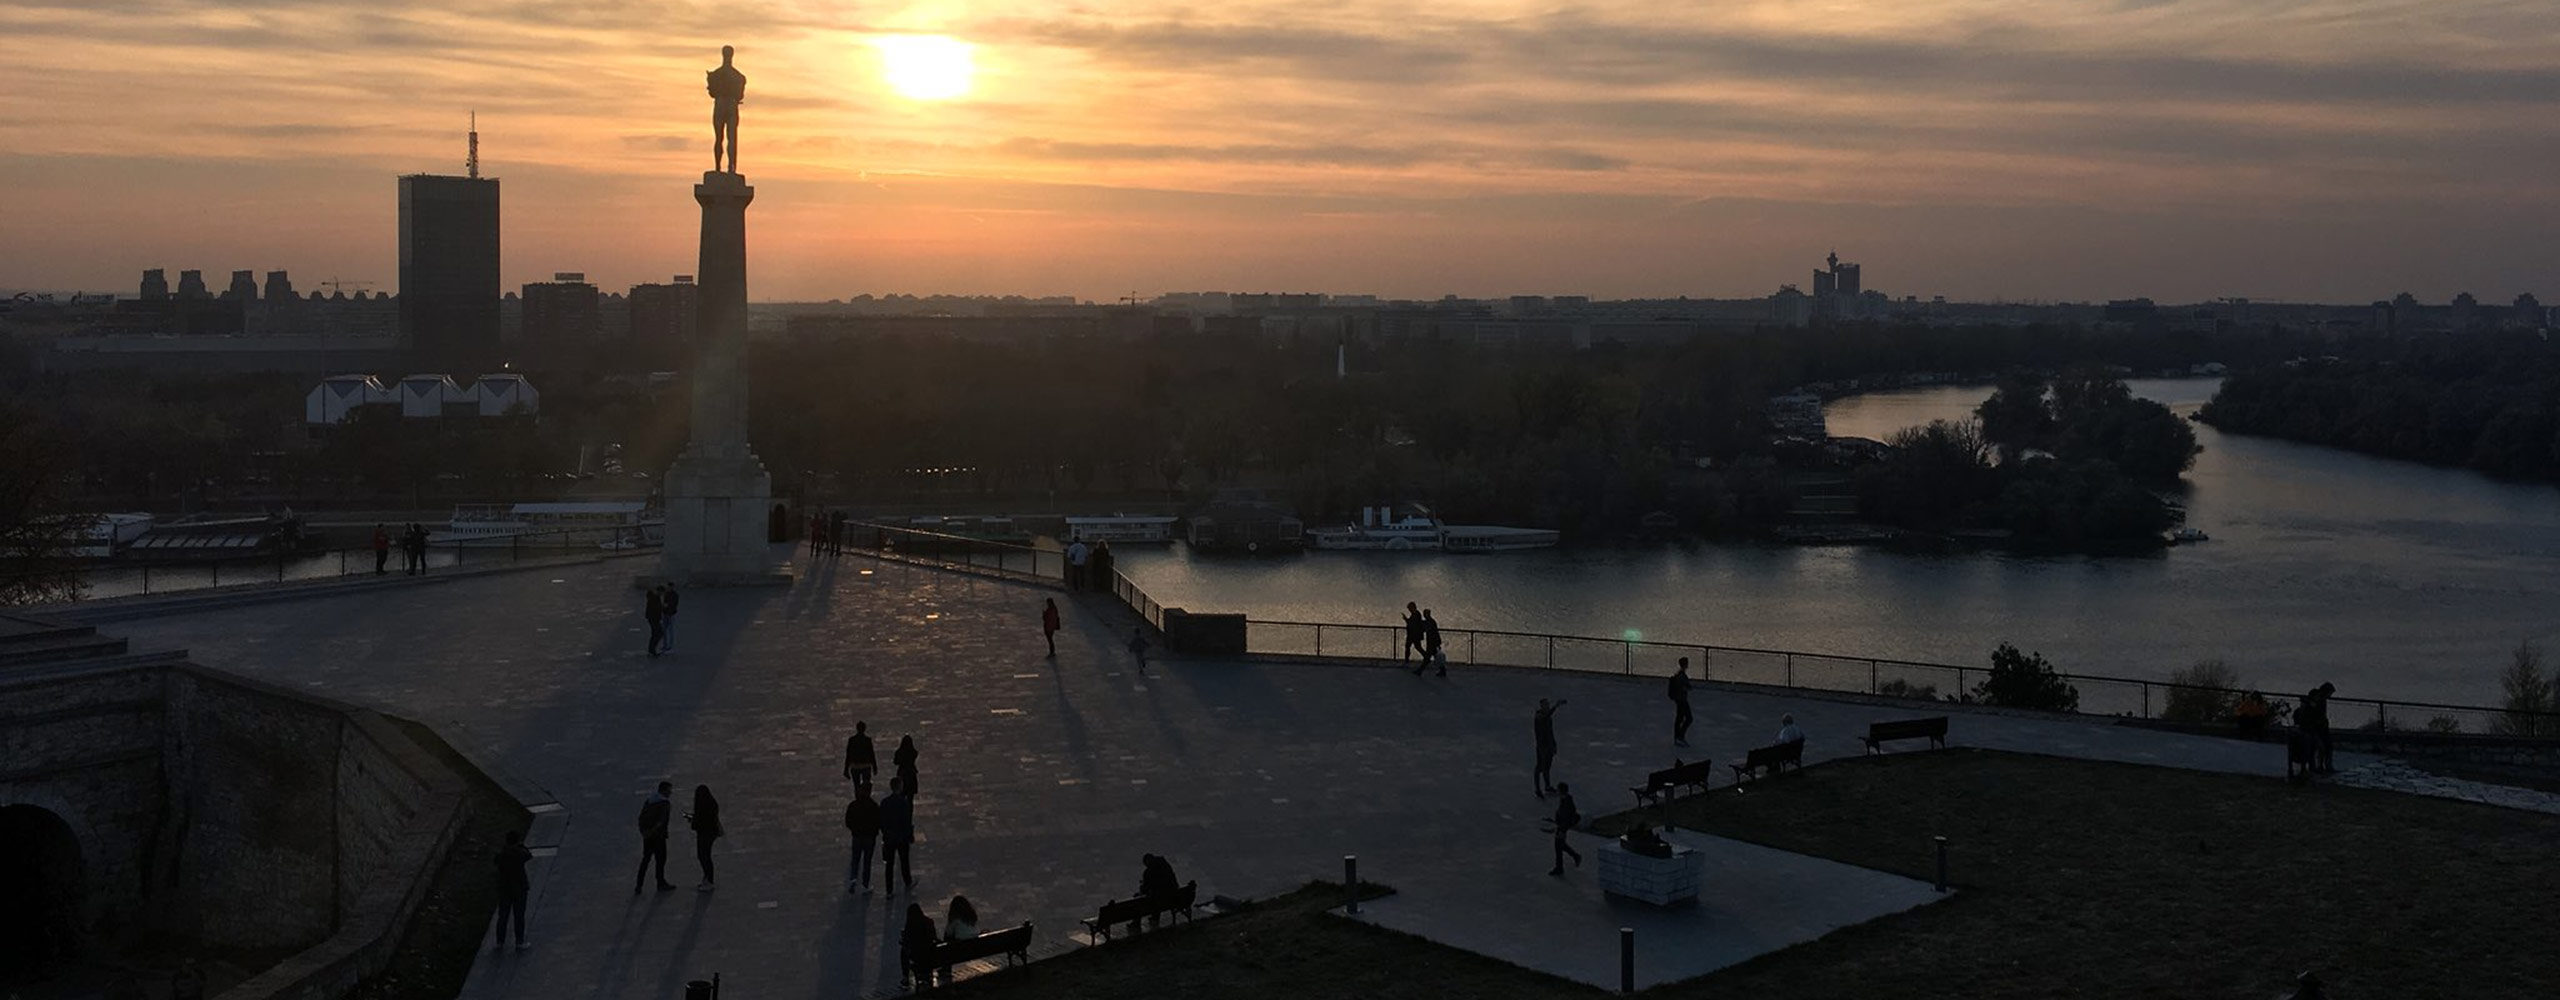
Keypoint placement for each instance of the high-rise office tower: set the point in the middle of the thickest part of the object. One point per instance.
(244, 287)
(449, 268)
(191, 286)
(155, 285)
(561, 317)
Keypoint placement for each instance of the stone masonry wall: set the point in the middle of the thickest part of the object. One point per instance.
(89, 752)
(257, 808)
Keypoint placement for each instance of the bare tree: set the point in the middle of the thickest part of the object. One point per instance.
(2528, 692)
(35, 534)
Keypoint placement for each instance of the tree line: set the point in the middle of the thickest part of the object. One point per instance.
(2485, 401)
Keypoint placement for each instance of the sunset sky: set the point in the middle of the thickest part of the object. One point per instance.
(2338, 150)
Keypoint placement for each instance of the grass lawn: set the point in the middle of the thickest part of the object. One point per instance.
(2077, 878)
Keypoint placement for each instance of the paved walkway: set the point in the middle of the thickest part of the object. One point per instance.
(1042, 780)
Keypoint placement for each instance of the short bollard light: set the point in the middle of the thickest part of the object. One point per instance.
(1626, 960)
(1351, 883)
(1942, 863)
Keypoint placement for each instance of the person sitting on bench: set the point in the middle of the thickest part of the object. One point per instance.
(1787, 731)
(961, 923)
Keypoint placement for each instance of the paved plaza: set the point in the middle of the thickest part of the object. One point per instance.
(1042, 781)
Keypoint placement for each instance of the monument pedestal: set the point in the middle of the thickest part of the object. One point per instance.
(1659, 881)
(718, 496)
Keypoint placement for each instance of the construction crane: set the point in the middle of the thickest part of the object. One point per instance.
(337, 286)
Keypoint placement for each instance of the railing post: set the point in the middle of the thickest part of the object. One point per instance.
(1471, 649)
(146, 578)
(1350, 883)
(1551, 652)
(1627, 658)
(1942, 863)
(217, 573)
(1319, 640)
(2382, 715)
(1791, 669)
(2146, 699)
(1871, 677)
(1626, 960)
(1706, 663)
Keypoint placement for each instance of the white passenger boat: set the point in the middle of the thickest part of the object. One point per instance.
(1125, 529)
(1382, 529)
(613, 524)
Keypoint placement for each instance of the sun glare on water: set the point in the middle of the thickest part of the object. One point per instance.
(925, 67)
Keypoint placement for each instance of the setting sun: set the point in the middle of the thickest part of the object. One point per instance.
(925, 67)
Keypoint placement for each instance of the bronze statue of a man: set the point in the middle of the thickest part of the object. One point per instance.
(728, 88)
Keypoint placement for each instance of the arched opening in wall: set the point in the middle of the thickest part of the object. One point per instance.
(40, 865)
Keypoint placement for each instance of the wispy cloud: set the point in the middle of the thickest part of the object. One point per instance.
(1499, 123)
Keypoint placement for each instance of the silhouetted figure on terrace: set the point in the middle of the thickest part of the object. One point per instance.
(904, 758)
(1566, 818)
(1156, 880)
(669, 602)
(1681, 716)
(2313, 719)
(1544, 726)
(835, 532)
(1049, 624)
(653, 609)
(705, 819)
(1431, 653)
(862, 820)
(859, 761)
(897, 836)
(513, 887)
(915, 947)
(1412, 633)
(381, 550)
(728, 89)
(654, 816)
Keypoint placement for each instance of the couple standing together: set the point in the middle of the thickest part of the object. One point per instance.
(1422, 634)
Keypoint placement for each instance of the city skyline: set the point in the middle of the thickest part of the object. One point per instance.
(2181, 151)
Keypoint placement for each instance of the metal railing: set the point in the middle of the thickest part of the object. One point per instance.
(131, 578)
(934, 548)
(1129, 593)
(2099, 694)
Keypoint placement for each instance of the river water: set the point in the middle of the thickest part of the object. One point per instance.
(2393, 579)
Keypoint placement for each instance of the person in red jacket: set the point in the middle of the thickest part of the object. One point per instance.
(1049, 625)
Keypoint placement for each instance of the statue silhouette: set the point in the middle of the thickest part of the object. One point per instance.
(728, 89)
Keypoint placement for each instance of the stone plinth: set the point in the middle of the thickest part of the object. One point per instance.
(718, 495)
(1660, 881)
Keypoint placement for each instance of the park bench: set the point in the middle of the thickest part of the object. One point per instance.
(1012, 942)
(1664, 785)
(1933, 729)
(1772, 758)
(1136, 908)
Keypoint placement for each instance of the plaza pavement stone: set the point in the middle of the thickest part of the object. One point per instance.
(1042, 781)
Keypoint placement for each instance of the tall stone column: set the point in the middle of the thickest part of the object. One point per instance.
(719, 497)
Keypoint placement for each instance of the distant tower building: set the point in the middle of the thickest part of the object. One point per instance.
(2528, 312)
(560, 315)
(1848, 278)
(155, 285)
(191, 286)
(449, 268)
(662, 315)
(279, 287)
(244, 287)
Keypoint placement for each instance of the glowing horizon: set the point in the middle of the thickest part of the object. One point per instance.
(2340, 150)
